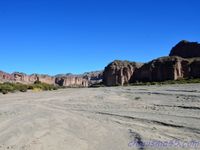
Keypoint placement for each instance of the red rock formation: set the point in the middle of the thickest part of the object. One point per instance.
(161, 69)
(94, 77)
(168, 68)
(20, 77)
(33, 78)
(71, 81)
(119, 72)
(46, 79)
(4, 77)
(195, 68)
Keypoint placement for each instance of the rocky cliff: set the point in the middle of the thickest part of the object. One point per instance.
(195, 68)
(45, 79)
(161, 69)
(119, 72)
(5, 77)
(168, 68)
(183, 62)
(186, 49)
(94, 77)
(20, 77)
(71, 81)
(67, 80)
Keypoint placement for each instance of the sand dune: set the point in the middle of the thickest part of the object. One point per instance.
(117, 118)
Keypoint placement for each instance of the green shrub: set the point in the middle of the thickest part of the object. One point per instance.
(21, 87)
(97, 85)
(12, 87)
(37, 82)
(137, 98)
(180, 81)
(5, 88)
(44, 86)
(30, 87)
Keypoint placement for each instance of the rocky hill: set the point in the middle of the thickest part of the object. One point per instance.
(183, 62)
(186, 49)
(94, 77)
(119, 72)
(71, 81)
(68, 80)
(167, 68)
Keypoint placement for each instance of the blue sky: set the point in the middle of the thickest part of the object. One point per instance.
(61, 36)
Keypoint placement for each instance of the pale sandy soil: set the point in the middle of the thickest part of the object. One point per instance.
(117, 118)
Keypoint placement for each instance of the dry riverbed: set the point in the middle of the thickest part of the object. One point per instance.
(116, 118)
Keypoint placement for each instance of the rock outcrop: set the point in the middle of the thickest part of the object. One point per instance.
(67, 80)
(45, 79)
(195, 68)
(94, 77)
(30, 79)
(183, 62)
(20, 77)
(162, 69)
(168, 68)
(186, 49)
(119, 72)
(5, 77)
(71, 81)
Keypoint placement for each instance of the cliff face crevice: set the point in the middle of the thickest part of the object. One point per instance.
(195, 68)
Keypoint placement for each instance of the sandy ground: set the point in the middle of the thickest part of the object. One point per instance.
(117, 118)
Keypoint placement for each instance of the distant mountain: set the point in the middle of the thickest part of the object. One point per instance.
(71, 80)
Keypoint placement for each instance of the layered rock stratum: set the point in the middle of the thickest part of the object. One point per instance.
(67, 80)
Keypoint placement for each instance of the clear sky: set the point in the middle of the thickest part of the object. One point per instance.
(61, 36)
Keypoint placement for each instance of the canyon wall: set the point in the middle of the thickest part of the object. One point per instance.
(67, 80)
(71, 81)
(183, 62)
(168, 68)
(119, 72)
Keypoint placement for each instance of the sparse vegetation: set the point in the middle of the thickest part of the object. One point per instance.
(44, 86)
(181, 81)
(20, 87)
(97, 85)
(5, 88)
(13, 87)
(137, 98)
